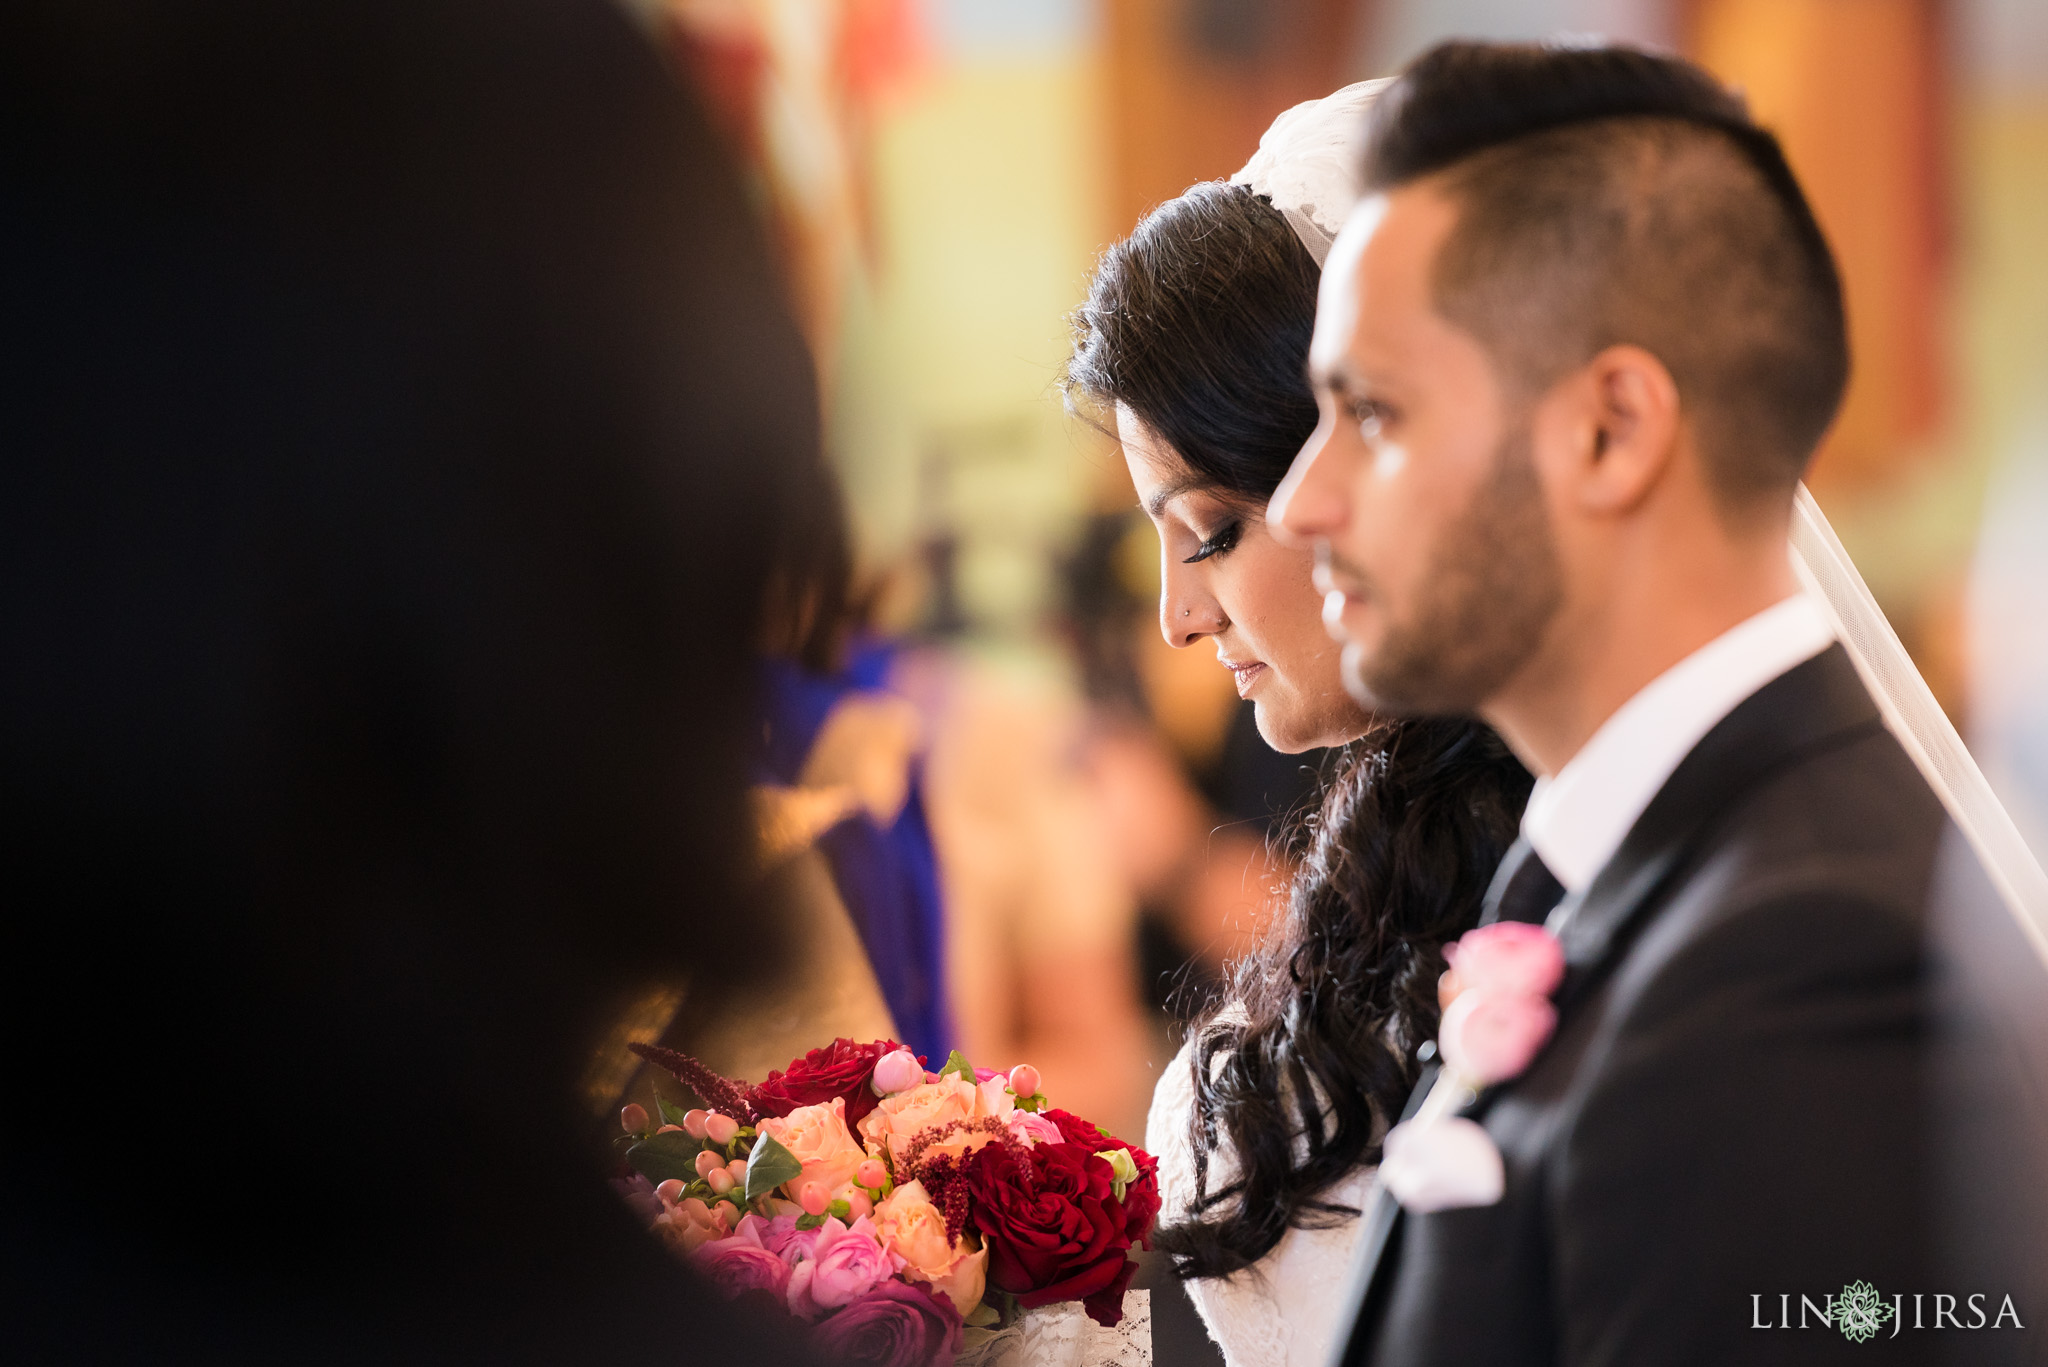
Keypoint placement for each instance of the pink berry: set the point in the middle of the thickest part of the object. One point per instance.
(1024, 1080)
(858, 1204)
(670, 1129)
(871, 1174)
(709, 1162)
(720, 1180)
(670, 1191)
(722, 1217)
(813, 1199)
(693, 1123)
(720, 1129)
(632, 1117)
(738, 1169)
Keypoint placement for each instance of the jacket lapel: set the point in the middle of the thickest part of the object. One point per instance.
(1382, 1216)
(1811, 707)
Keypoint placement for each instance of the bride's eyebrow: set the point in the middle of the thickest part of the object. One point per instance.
(1155, 503)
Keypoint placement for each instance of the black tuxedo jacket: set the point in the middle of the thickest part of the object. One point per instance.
(1745, 1107)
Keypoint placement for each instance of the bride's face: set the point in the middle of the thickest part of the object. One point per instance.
(1224, 580)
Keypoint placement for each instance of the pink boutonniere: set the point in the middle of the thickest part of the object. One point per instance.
(1497, 1015)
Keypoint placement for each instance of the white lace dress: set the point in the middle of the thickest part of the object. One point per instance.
(1282, 1311)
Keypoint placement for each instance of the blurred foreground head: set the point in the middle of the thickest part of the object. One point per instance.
(395, 397)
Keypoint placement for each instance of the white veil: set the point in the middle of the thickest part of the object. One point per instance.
(1917, 719)
(1306, 166)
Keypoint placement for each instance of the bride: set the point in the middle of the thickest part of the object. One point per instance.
(1193, 345)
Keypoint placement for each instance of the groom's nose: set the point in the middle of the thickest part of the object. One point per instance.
(1312, 503)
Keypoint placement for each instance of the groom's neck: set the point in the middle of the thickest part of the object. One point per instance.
(1637, 602)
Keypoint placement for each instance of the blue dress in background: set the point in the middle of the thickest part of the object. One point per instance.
(887, 876)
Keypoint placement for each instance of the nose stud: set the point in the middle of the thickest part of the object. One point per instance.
(1187, 612)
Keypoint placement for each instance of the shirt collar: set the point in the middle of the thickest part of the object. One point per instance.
(1577, 818)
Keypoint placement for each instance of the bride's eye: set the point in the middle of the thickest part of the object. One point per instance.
(1216, 545)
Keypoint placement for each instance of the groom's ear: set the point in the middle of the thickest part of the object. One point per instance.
(1612, 431)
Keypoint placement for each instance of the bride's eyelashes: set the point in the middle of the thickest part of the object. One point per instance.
(1221, 541)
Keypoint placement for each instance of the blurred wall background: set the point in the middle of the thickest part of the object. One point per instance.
(941, 174)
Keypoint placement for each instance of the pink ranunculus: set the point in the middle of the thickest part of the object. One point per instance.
(897, 1071)
(845, 1264)
(779, 1236)
(1030, 1128)
(1489, 1037)
(1507, 958)
(736, 1266)
(897, 1324)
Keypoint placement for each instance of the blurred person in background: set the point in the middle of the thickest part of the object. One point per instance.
(1041, 924)
(397, 397)
(845, 850)
(1193, 343)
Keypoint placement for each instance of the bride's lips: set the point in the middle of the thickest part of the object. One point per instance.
(1246, 674)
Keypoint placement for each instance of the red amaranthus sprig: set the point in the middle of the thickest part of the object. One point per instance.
(720, 1093)
(944, 1175)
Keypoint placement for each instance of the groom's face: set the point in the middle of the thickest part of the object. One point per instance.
(1417, 489)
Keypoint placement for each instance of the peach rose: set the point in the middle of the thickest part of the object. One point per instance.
(914, 1229)
(817, 1137)
(897, 1120)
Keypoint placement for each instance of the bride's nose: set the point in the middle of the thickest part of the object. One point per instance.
(1186, 614)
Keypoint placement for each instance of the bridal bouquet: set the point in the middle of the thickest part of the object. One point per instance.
(904, 1215)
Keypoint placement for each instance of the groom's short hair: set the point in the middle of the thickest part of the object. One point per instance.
(1607, 195)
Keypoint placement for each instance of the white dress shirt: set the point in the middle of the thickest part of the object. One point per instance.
(1577, 818)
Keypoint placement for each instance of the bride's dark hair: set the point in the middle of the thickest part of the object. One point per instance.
(1199, 322)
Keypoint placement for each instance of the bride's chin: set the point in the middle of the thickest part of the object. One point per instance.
(1281, 729)
(1288, 731)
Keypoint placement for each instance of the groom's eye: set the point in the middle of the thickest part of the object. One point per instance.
(1369, 416)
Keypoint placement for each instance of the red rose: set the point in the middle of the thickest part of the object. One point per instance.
(1053, 1227)
(1141, 1198)
(842, 1068)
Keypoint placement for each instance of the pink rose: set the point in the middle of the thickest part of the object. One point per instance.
(895, 1325)
(817, 1137)
(898, 1119)
(1488, 1037)
(914, 1231)
(845, 1264)
(1508, 958)
(736, 1267)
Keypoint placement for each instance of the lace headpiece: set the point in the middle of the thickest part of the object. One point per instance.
(1307, 164)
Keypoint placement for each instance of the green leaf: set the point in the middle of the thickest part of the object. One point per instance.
(810, 1221)
(956, 1062)
(671, 1114)
(769, 1166)
(662, 1156)
(1035, 1102)
(840, 1210)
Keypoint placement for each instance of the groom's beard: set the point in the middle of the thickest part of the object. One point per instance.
(1493, 585)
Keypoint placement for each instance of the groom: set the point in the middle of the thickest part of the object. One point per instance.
(1573, 353)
